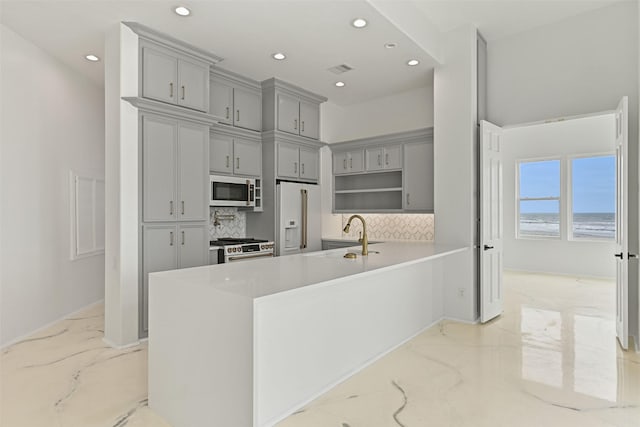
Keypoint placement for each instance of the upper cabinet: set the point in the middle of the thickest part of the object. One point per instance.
(174, 169)
(297, 162)
(233, 151)
(288, 108)
(388, 173)
(172, 71)
(172, 77)
(381, 158)
(236, 100)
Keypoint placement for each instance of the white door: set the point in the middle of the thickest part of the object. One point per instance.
(622, 211)
(491, 295)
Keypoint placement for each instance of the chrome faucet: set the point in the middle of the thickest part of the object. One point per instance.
(365, 240)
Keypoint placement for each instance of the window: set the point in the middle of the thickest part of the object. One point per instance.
(539, 199)
(593, 198)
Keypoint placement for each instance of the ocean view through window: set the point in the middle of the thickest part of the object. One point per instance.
(539, 199)
(586, 207)
(593, 188)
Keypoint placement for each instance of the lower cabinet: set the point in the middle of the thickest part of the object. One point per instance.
(169, 247)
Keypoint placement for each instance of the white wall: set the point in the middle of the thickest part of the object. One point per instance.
(455, 111)
(52, 122)
(121, 216)
(580, 65)
(395, 113)
(590, 135)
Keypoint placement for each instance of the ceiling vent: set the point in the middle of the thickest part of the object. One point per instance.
(339, 69)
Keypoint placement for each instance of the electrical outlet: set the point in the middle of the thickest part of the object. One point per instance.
(461, 292)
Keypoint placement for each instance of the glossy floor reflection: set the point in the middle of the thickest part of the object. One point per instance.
(550, 360)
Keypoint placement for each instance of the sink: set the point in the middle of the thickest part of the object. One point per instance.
(339, 253)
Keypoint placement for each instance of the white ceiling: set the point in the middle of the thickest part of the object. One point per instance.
(502, 18)
(315, 35)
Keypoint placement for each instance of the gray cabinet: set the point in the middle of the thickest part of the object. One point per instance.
(291, 109)
(418, 177)
(398, 175)
(310, 120)
(193, 174)
(298, 162)
(298, 117)
(381, 158)
(247, 157)
(309, 163)
(348, 161)
(288, 114)
(236, 100)
(247, 106)
(174, 169)
(172, 77)
(288, 160)
(235, 152)
(221, 153)
(168, 247)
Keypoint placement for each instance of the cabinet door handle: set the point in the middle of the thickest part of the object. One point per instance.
(227, 108)
(295, 167)
(237, 162)
(171, 207)
(351, 163)
(227, 161)
(344, 164)
(302, 124)
(302, 171)
(182, 237)
(295, 124)
(386, 159)
(183, 207)
(183, 92)
(379, 160)
(237, 115)
(171, 238)
(170, 90)
(408, 200)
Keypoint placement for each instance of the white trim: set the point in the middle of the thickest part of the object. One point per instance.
(122, 347)
(50, 324)
(560, 119)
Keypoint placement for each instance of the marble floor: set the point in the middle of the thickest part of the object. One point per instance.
(550, 360)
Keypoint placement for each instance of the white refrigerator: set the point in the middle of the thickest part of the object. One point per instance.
(297, 218)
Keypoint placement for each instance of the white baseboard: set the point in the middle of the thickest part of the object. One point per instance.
(121, 347)
(48, 325)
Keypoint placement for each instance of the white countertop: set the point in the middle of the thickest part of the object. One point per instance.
(262, 277)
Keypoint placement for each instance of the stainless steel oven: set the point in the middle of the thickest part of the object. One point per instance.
(242, 249)
(231, 191)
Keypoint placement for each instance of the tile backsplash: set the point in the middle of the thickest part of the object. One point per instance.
(393, 226)
(231, 223)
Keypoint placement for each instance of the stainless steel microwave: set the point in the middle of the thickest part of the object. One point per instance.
(231, 191)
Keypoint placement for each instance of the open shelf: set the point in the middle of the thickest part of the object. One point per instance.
(369, 181)
(372, 190)
(368, 201)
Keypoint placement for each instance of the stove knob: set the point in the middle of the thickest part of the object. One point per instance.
(228, 250)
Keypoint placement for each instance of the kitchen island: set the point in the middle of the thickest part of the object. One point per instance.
(247, 344)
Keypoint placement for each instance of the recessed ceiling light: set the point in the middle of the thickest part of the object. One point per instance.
(340, 84)
(279, 56)
(359, 23)
(182, 11)
(412, 62)
(92, 58)
(390, 45)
